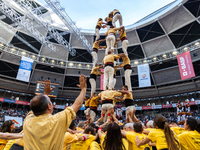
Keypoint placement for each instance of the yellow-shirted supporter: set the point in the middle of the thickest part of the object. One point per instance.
(45, 131)
(84, 145)
(81, 126)
(9, 144)
(94, 146)
(7, 137)
(149, 127)
(7, 127)
(95, 49)
(128, 101)
(131, 136)
(93, 76)
(13, 141)
(18, 145)
(87, 109)
(109, 20)
(73, 138)
(113, 139)
(93, 106)
(107, 98)
(3, 143)
(108, 61)
(178, 130)
(128, 128)
(116, 16)
(127, 71)
(110, 38)
(164, 138)
(190, 140)
(124, 40)
(98, 27)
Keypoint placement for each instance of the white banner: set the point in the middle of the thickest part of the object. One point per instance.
(144, 75)
(157, 107)
(17, 120)
(25, 67)
(138, 108)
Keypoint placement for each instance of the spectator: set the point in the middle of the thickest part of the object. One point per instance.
(113, 140)
(45, 131)
(162, 135)
(190, 140)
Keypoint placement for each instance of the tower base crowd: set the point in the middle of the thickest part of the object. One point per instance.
(43, 131)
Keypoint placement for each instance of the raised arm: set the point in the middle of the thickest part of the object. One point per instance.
(123, 92)
(79, 100)
(9, 136)
(138, 142)
(121, 55)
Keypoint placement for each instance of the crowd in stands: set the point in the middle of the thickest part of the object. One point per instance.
(61, 131)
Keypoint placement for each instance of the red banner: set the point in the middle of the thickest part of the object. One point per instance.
(102, 80)
(185, 65)
(167, 106)
(22, 102)
(1, 99)
(191, 103)
(146, 107)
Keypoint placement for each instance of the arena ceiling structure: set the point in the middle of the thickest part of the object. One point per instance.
(65, 53)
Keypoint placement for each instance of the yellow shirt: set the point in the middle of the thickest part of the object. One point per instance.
(126, 61)
(114, 11)
(131, 136)
(150, 129)
(95, 70)
(112, 30)
(178, 130)
(87, 103)
(79, 129)
(128, 96)
(110, 58)
(123, 34)
(99, 23)
(94, 146)
(46, 132)
(20, 142)
(158, 136)
(3, 143)
(9, 144)
(125, 142)
(109, 94)
(190, 140)
(108, 19)
(69, 138)
(94, 102)
(96, 45)
(83, 145)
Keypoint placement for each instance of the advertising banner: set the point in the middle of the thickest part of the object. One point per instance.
(17, 120)
(25, 67)
(146, 107)
(9, 100)
(138, 108)
(1, 99)
(157, 107)
(167, 106)
(22, 102)
(144, 75)
(185, 65)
